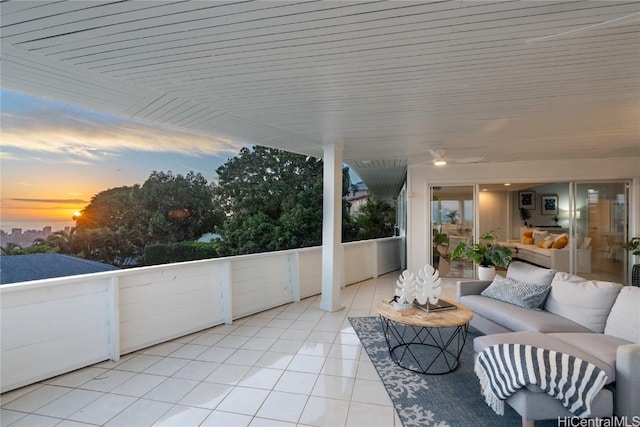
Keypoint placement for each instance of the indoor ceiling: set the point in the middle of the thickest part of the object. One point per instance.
(486, 81)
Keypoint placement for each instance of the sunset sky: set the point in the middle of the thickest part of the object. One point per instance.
(54, 158)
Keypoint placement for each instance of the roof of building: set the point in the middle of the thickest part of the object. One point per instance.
(23, 268)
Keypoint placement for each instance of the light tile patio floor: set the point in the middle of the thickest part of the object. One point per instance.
(291, 365)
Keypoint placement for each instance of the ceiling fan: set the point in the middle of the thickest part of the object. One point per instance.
(440, 158)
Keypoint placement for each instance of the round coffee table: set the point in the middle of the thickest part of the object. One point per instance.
(426, 343)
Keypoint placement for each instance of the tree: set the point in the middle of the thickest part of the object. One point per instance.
(272, 199)
(118, 223)
(113, 208)
(262, 191)
(58, 241)
(177, 207)
(11, 249)
(112, 227)
(376, 219)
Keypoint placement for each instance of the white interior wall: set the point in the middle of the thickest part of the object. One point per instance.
(419, 177)
(493, 209)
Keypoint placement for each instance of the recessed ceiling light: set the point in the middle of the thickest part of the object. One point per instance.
(506, 184)
(484, 189)
(439, 162)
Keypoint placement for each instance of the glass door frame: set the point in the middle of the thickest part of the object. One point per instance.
(474, 222)
(627, 226)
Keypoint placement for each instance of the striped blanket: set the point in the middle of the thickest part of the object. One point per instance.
(505, 368)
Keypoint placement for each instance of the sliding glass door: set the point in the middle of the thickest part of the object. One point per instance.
(452, 222)
(601, 228)
(595, 216)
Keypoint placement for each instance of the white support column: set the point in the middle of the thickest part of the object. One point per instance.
(332, 255)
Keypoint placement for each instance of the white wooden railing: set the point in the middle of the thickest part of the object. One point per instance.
(54, 326)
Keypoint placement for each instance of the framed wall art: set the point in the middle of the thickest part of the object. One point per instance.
(527, 199)
(549, 205)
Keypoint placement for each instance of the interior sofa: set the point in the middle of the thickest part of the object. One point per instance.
(545, 249)
(596, 321)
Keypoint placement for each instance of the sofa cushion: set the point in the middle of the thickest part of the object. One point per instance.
(548, 241)
(538, 235)
(517, 318)
(547, 341)
(586, 302)
(560, 243)
(523, 294)
(601, 346)
(624, 320)
(524, 272)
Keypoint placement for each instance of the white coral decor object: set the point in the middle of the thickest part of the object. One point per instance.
(406, 288)
(428, 285)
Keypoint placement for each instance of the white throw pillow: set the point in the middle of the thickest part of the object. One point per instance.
(548, 241)
(586, 302)
(524, 272)
(538, 236)
(624, 320)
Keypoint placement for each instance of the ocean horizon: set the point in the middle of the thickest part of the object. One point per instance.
(56, 225)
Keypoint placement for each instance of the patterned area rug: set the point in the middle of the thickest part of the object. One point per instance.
(452, 399)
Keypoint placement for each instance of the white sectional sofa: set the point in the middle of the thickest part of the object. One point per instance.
(549, 257)
(556, 259)
(596, 321)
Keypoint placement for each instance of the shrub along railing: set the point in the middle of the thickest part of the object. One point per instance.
(54, 326)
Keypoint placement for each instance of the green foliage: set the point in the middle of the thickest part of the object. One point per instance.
(118, 223)
(266, 180)
(633, 246)
(375, 219)
(117, 247)
(485, 253)
(11, 249)
(272, 200)
(453, 216)
(439, 238)
(15, 249)
(165, 253)
(113, 208)
(177, 207)
(53, 243)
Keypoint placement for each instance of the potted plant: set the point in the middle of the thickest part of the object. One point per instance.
(440, 240)
(453, 216)
(525, 214)
(486, 254)
(633, 246)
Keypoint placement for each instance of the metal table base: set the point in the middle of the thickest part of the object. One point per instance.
(424, 349)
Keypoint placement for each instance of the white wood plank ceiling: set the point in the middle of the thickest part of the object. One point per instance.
(501, 81)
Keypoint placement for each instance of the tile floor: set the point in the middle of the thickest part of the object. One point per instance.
(294, 365)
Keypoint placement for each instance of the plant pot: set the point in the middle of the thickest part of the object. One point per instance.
(486, 273)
